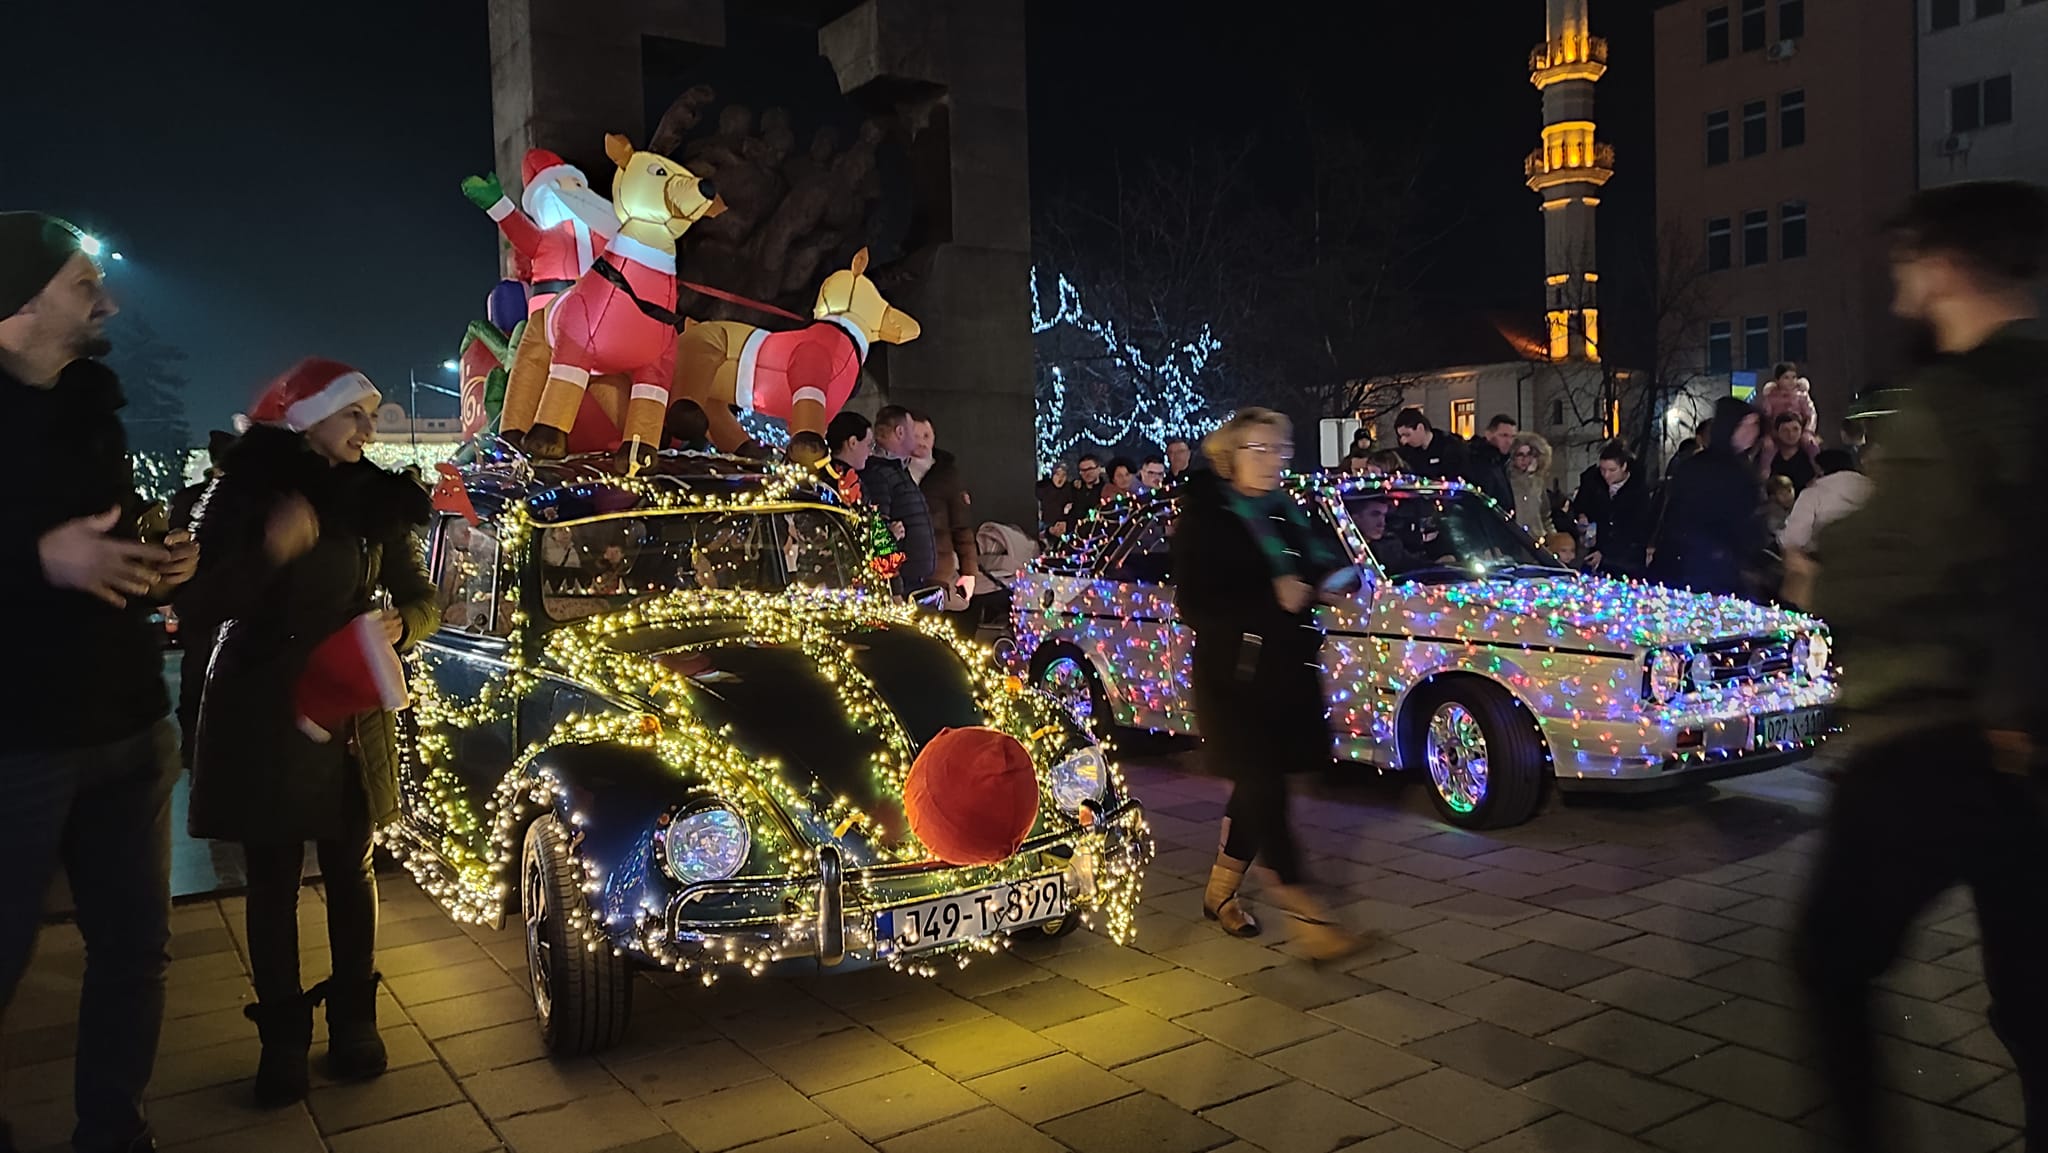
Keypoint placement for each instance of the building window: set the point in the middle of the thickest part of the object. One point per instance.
(1717, 138)
(1980, 105)
(1792, 230)
(1756, 133)
(1792, 118)
(1791, 19)
(1752, 25)
(1720, 347)
(1756, 237)
(1464, 417)
(1717, 34)
(1720, 243)
(1792, 336)
(1946, 14)
(1756, 342)
(1989, 8)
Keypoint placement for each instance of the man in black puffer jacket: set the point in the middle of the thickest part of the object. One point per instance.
(888, 485)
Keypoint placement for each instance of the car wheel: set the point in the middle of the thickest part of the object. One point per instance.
(581, 995)
(1067, 675)
(1482, 753)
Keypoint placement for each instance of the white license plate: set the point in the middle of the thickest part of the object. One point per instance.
(1800, 726)
(981, 913)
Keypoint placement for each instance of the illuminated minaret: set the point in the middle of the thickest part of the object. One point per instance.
(1567, 172)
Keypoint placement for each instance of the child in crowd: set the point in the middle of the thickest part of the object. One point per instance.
(1564, 546)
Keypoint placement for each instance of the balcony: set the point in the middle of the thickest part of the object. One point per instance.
(1581, 58)
(1569, 165)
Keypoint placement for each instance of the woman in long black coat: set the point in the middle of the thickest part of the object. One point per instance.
(1246, 566)
(303, 536)
(1713, 533)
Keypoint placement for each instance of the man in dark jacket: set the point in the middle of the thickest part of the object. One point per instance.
(1487, 459)
(957, 562)
(1430, 453)
(1943, 782)
(889, 487)
(87, 752)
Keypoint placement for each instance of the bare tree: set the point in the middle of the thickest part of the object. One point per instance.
(1681, 301)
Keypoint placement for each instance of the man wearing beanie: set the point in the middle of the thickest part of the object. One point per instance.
(87, 754)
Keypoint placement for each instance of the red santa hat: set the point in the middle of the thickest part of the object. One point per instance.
(355, 671)
(310, 392)
(539, 170)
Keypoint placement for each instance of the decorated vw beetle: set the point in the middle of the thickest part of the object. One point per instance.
(1467, 652)
(672, 718)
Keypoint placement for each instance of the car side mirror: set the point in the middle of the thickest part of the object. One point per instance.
(931, 597)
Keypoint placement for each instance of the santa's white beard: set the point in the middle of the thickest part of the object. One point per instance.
(594, 212)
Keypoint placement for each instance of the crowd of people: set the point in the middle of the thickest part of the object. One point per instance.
(298, 537)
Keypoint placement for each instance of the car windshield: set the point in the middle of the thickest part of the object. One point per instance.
(600, 565)
(1422, 536)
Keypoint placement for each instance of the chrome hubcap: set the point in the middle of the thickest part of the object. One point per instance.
(540, 951)
(1456, 750)
(1070, 684)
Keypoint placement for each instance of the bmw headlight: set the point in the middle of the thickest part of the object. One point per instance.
(1081, 777)
(1666, 677)
(708, 842)
(1810, 656)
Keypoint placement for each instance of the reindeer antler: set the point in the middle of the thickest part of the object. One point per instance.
(682, 115)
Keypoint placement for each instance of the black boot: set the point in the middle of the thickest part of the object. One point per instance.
(355, 1052)
(287, 1031)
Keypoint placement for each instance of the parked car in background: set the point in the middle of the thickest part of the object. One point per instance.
(1467, 653)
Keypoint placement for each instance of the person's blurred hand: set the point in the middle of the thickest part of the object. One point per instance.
(81, 555)
(1292, 593)
(394, 626)
(292, 530)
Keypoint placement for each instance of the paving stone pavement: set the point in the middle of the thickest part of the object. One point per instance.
(1611, 976)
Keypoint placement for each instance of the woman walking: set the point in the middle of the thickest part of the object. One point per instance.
(1246, 564)
(302, 535)
(1537, 499)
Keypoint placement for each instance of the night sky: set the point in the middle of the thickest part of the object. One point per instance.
(279, 194)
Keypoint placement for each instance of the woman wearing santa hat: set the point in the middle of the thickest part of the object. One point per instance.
(303, 536)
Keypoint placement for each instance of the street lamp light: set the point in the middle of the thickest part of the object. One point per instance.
(446, 365)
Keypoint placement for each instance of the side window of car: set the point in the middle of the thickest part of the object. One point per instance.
(1146, 554)
(466, 577)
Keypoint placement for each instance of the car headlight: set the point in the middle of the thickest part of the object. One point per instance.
(706, 843)
(1081, 777)
(1666, 677)
(1811, 654)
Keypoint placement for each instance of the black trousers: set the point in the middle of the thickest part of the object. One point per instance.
(348, 874)
(1911, 819)
(1255, 824)
(103, 813)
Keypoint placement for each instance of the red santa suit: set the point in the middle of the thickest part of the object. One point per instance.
(549, 259)
(618, 320)
(820, 362)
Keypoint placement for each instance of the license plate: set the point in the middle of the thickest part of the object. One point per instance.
(1798, 727)
(981, 913)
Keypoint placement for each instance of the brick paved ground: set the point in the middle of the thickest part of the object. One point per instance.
(1607, 978)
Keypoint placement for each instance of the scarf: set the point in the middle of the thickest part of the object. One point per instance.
(1277, 522)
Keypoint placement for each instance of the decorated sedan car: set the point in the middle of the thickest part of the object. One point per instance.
(1466, 652)
(672, 719)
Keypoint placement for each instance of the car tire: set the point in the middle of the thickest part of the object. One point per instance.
(1479, 751)
(582, 996)
(1068, 675)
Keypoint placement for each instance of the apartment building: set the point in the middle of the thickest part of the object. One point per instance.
(1983, 100)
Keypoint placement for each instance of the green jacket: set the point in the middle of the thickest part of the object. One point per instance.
(1928, 588)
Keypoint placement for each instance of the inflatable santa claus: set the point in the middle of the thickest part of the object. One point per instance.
(556, 230)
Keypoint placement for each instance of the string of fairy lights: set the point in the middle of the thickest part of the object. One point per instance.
(1573, 649)
(1164, 398)
(464, 858)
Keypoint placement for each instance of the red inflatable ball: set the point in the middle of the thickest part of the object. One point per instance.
(971, 796)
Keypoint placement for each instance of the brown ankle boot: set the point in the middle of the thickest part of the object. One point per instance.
(1221, 902)
(1322, 939)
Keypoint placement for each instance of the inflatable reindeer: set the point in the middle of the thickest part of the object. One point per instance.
(803, 377)
(596, 374)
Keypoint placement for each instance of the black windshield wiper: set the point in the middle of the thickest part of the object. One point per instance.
(1517, 570)
(1436, 572)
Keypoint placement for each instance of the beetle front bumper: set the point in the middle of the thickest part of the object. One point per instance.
(826, 918)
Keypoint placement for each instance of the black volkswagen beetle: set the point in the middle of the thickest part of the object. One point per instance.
(668, 720)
